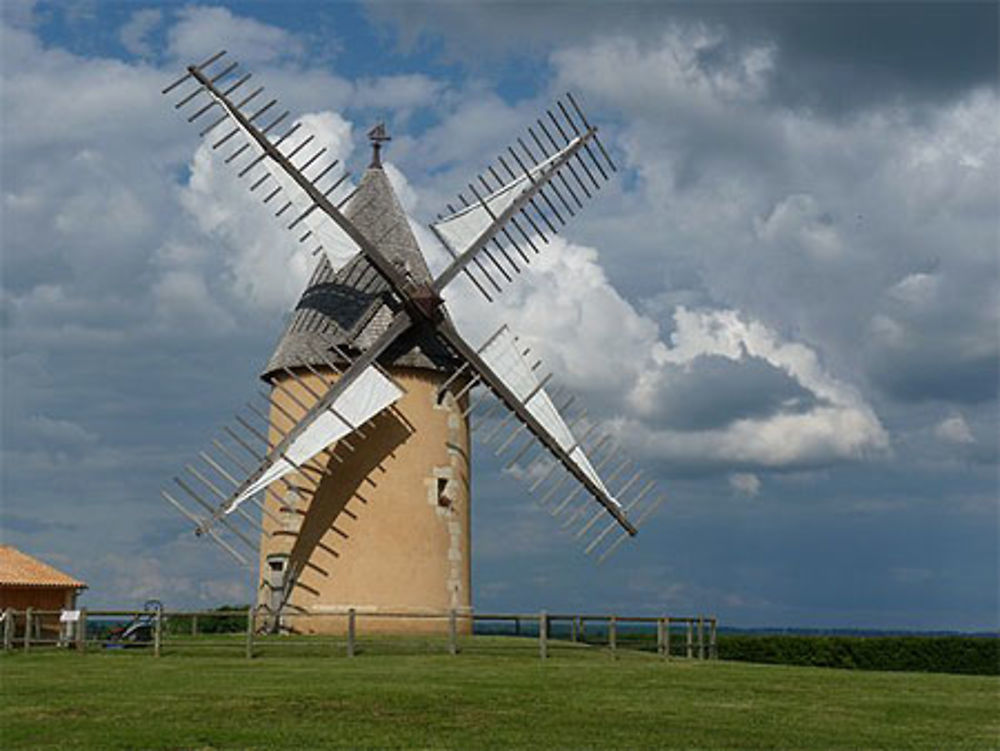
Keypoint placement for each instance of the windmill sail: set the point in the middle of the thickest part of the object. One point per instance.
(464, 227)
(361, 392)
(284, 161)
(365, 397)
(293, 206)
(508, 382)
(503, 355)
(520, 201)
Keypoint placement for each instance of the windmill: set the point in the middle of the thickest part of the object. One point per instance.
(357, 459)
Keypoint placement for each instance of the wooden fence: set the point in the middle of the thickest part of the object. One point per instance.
(254, 632)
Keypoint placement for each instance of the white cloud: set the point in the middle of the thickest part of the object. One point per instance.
(135, 578)
(796, 224)
(400, 94)
(680, 68)
(20, 13)
(113, 104)
(954, 429)
(727, 333)
(915, 289)
(117, 210)
(839, 426)
(473, 123)
(184, 301)
(745, 483)
(825, 228)
(201, 31)
(887, 331)
(566, 311)
(133, 33)
(59, 433)
(266, 267)
(596, 342)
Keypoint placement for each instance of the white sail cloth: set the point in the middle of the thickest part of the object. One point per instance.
(365, 397)
(464, 227)
(504, 357)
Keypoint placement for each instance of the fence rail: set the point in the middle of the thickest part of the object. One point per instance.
(255, 632)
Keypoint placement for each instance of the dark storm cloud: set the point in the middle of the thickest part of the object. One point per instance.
(833, 57)
(919, 376)
(936, 336)
(713, 391)
(838, 56)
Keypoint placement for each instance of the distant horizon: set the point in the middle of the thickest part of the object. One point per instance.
(722, 626)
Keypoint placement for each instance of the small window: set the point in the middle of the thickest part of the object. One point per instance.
(444, 501)
(276, 572)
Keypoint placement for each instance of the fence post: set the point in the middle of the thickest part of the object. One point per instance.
(713, 644)
(690, 639)
(583, 629)
(453, 632)
(666, 637)
(572, 628)
(517, 626)
(27, 629)
(701, 637)
(251, 617)
(81, 631)
(543, 635)
(8, 629)
(350, 632)
(194, 624)
(659, 637)
(613, 634)
(157, 632)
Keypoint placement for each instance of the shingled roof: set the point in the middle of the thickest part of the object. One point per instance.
(19, 569)
(350, 308)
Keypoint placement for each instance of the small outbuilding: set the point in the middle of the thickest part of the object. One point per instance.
(26, 582)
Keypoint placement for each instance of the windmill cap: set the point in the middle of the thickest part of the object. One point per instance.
(347, 307)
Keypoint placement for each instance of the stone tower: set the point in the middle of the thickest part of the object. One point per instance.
(388, 529)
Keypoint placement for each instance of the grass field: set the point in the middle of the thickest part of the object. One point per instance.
(580, 698)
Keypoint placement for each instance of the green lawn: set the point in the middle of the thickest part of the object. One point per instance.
(579, 698)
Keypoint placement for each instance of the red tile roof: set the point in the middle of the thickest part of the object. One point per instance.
(19, 569)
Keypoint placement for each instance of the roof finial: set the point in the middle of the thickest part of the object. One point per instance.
(377, 136)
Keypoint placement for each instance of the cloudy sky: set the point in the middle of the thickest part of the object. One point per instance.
(786, 302)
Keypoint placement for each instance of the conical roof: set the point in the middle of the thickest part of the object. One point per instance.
(350, 308)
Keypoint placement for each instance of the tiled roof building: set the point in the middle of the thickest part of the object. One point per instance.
(27, 582)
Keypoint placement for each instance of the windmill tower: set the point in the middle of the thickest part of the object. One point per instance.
(388, 528)
(356, 470)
